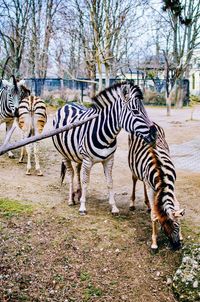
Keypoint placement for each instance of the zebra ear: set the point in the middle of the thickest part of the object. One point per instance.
(179, 213)
(25, 90)
(14, 83)
(21, 83)
(125, 91)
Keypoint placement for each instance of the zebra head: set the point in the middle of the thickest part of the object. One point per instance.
(171, 227)
(23, 90)
(13, 95)
(134, 118)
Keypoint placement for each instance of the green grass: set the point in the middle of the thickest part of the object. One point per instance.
(84, 276)
(92, 291)
(88, 104)
(10, 207)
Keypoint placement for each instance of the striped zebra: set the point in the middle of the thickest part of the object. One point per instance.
(10, 96)
(119, 106)
(32, 119)
(153, 166)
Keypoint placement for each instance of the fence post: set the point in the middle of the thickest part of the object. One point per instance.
(82, 92)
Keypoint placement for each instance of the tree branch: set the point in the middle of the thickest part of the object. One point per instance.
(4, 149)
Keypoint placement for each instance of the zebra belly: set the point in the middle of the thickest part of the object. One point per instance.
(73, 150)
(98, 155)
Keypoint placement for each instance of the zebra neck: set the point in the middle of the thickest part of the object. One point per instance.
(109, 122)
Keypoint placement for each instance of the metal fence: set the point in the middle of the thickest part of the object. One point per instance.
(38, 85)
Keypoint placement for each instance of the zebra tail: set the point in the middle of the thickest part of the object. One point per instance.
(63, 171)
(31, 131)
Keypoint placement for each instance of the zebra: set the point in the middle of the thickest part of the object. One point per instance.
(31, 120)
(119, 106)
(153, 165)
(10, 96)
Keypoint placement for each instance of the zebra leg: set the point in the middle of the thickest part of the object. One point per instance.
(86, 168)
(22, 153)
(108, 165)
(154, 245)
(9, 125)
(37, 162)
(146, 199)
(23, 149)
(132, 201)
(78, 170)
(28, 167)
(151, 196)
(70, 177)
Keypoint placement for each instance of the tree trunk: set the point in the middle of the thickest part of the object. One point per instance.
(168, 104)
(48, 31)
(107, 69)
(99, 67)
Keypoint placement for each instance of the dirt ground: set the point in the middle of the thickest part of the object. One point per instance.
(53, 254)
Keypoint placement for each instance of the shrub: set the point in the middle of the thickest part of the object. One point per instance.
(58, 98)
(154, 98)
(194, 99)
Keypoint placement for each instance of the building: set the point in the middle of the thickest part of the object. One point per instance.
(194, 73)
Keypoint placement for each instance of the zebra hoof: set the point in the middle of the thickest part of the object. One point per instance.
(82, 213)
(20, 161)
(28, 172)
(11, 156)
(71, 203)
(132, 208)
(154, 251)
(39, 173)
(115, 213)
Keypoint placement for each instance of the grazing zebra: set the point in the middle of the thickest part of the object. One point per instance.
(10, 96)
(119, 106)
(153, 166)
(31, 120)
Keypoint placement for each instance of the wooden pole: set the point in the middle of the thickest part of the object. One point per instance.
(5, 148)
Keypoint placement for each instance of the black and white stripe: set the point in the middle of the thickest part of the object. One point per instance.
(119, 106)
(9, 101)
(153, 166)
(10, 96)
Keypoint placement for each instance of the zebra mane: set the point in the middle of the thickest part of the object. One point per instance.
(130, 86)
(161, 185)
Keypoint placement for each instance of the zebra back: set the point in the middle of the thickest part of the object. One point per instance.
(32, 115)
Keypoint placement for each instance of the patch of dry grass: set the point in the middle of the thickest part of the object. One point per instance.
(56, 255)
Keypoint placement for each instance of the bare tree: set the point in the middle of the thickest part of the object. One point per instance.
(183, 19)
(115, 15)
(13, 29)
(102, 26)
(41, 31)
(34, 37)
